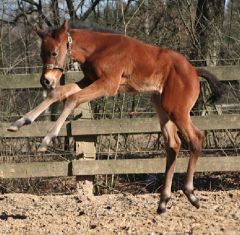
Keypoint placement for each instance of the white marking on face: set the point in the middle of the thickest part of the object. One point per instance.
(53, 77)
(50, 75)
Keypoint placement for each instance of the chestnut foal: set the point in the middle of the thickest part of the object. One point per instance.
(114, 63)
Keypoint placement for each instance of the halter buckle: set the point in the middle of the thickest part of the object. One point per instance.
(69, 39)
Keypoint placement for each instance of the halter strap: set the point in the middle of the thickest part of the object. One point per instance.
(69, 50)
(69, 43)
(53, 66)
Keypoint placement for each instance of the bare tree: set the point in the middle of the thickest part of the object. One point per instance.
(55, 10)
(71, 10)
(208, 29)
(90, 10)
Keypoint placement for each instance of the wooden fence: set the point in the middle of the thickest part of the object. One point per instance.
(80, 128)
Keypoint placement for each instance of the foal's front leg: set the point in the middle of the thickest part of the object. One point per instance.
(60, 93)
(87, 94)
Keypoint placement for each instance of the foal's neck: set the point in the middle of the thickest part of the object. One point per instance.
(84, 44)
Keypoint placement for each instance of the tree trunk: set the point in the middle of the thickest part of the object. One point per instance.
(208, 27)
(71, 10)
(55, 10)
(146, 20)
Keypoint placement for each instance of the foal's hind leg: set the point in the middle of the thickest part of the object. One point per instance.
(172, 145)
(195, 139)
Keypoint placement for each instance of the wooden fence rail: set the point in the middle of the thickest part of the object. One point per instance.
(112, 126)
(155, 165)
(105, 167)
(20, 81)
(119, 126)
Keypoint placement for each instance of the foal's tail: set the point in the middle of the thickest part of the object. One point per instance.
(214, 83)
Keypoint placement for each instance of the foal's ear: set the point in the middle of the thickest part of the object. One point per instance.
(63, 29)
(41, 33)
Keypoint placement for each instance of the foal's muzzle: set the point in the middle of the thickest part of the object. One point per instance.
(45, 83)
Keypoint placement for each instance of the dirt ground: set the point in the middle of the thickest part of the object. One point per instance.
(119, 214)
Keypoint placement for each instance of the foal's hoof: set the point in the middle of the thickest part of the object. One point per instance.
(161, 210)
(13, 128)
(45, 143)
(196, 203)
(42, 149)
(162, 205)
(192, 198)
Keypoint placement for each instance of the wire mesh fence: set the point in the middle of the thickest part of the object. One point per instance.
(15, 103)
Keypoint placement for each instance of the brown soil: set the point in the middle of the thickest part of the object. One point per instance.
(119, 214)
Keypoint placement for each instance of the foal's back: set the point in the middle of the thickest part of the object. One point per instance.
(144, 68)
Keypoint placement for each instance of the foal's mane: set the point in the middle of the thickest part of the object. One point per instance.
(91, 27)
(82, 25)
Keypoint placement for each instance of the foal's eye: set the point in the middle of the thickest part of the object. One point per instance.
(54, 54)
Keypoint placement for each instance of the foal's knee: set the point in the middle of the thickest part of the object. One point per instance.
(71, 102)
(56, 94)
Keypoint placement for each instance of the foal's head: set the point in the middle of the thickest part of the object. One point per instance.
(53, 53)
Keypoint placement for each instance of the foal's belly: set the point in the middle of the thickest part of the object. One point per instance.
(151, 84)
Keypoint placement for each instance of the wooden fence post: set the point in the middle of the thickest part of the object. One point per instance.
(85, 150)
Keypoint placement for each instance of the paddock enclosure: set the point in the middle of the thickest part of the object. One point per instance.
(107, 138)
(124, 119)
